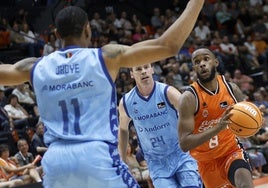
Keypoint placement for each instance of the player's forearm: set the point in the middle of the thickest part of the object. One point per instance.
(123, 143)
(41, 149)
(191, 141)
(179, 31)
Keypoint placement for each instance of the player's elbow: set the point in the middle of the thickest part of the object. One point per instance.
(184, 148)
(172, 46)
(184, 145)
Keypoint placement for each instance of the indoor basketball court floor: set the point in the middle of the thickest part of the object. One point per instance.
(261, 182)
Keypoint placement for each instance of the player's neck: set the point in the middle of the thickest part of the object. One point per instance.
(70, 41)
(145, 89)
(211, 86)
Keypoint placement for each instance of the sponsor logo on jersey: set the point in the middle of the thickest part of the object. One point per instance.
(161, 105)
(224, 104)
(152, 115)
(68, 86)
(154, 128)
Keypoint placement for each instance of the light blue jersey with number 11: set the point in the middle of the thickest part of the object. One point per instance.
(76, 99)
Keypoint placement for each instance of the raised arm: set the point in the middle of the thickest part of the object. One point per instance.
(167, 45)
(14, 74)
(123, 136)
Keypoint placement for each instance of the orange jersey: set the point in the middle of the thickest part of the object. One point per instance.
(11, 164)
(209, 110)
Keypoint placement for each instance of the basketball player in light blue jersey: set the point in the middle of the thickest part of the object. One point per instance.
(76, 98)
(153, 108)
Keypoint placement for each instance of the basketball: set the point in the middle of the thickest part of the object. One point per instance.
(246, 119)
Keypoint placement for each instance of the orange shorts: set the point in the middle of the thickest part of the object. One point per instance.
(219, 173)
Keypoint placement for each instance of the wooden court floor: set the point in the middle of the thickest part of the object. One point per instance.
(261, 182)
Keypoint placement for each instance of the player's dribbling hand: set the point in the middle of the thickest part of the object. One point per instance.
(224, 121)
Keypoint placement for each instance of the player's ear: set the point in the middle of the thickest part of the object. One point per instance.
(217, 63)
(152, 67)
(57, 34)
(131, 72)
(87, 30)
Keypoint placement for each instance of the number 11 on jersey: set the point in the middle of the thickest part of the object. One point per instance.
(75, 104)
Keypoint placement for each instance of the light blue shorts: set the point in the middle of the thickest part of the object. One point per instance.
(85, 164)
(177, 170)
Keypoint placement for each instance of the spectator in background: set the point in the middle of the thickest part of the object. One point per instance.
(256, 157)
(26, 98)
(28, 34)
(18, 114)
(10, 168)
(6, 122)
(3, 98)
(18, 41)
(224, 18)
(261, 48)
(265, 7)
(37, 141)
(125, 22)
(52, 44)
(251, 49)
(258, 100)
(230, 54)
(124, 81)
(176, 76)
(248, 61)
(208, 13)
(139, 34)
(157, 71)
(24, 157)
(97, 22)
(203, 32)
(228, 76)
(8, 183)
(156, 20)
(244, 82)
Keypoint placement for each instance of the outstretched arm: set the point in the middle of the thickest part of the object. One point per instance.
(148, 51)
(13, 74)
(123, 131)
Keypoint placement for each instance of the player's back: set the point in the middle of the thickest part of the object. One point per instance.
(76, 96)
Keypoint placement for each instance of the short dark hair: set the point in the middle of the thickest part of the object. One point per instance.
(12, 96)
(70, 21)
(3, 148)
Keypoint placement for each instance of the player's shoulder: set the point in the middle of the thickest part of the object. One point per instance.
(188, 95)
(112, 51)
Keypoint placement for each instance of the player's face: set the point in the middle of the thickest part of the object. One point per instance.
(204, 64)
(142, 73)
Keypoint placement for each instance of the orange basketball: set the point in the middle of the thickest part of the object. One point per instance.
(246, 119)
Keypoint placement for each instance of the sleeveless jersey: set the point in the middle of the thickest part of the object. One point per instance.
(209, 110)
(76, 96)
(155, 121)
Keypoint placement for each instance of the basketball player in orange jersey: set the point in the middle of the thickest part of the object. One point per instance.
(204, 111)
